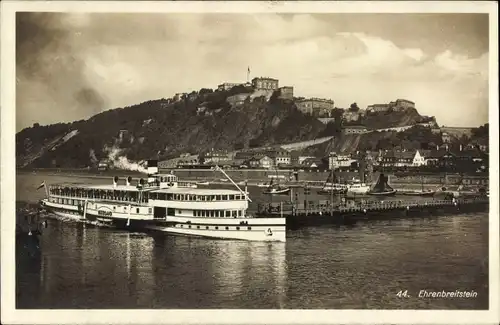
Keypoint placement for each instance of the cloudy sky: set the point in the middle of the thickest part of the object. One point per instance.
(71, 66)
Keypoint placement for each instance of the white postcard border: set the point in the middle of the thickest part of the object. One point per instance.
(7, 184)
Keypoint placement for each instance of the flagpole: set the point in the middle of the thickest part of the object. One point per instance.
(46, 190)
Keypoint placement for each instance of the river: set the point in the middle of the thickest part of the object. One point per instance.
(356, 267)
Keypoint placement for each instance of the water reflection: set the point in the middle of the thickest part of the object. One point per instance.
(211, 274)
(83, 266)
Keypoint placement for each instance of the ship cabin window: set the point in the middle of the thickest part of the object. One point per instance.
(179, 211)
(233, 213)
(212, 213)
(182, 197)
(228, 214)
(231, 197)
(240, 213)
(218, 197)
(150, 210)
(137, 210)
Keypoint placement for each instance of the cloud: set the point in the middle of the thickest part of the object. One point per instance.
(85, 63)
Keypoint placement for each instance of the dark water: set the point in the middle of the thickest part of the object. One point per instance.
(363, 266)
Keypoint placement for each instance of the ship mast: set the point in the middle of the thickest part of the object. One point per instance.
(230, 179)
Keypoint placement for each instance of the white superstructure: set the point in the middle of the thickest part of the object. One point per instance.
(163, 203)
(356, 187)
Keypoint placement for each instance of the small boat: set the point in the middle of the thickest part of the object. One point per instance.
(266, 185)
(223, 180)
(333, 189)
(356, 187)
(333, 186)
(203, 183)
(277, 189)
(418, 193)
(381, 188)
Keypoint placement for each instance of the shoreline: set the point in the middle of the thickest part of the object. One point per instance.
(216, 180)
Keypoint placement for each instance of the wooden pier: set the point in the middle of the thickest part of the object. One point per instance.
(312, 213)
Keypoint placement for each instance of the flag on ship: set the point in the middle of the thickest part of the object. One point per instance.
(41, 185)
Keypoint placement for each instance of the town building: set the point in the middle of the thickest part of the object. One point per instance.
(446, 137)
(295, 158)
(266, 162)
(238, 99)
(403, 158)
(388, 159)
(188, 161)
(418, 159)
(315, 106)
(355, 129)
(245, 155)
(338, 161)
(228, 85)
(282, 158)
(216, 156)
(350, 116)
(265, 83)
(404, 103)
(103, 165)
(279, 155)
(312, 163)
(378, 108)
(286, 92)
(253, 162)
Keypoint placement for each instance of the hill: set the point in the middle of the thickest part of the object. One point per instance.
(195, 123)
(164, 128)
(417, 137)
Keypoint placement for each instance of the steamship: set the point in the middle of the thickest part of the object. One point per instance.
(163, 203)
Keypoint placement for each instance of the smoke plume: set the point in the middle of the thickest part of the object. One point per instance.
(117, 160)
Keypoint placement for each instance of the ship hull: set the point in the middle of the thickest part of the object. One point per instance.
(276, 235)
(388, 193)
(249, 229)
(278, 192)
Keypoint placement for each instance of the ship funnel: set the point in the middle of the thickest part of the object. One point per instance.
(115, 181)
(129, 180)
(152, 167)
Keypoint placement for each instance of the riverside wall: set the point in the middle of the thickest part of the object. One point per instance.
(259, 175)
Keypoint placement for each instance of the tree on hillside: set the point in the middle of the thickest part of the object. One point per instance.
(354, 107)
(481, 132)
(204, 91)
